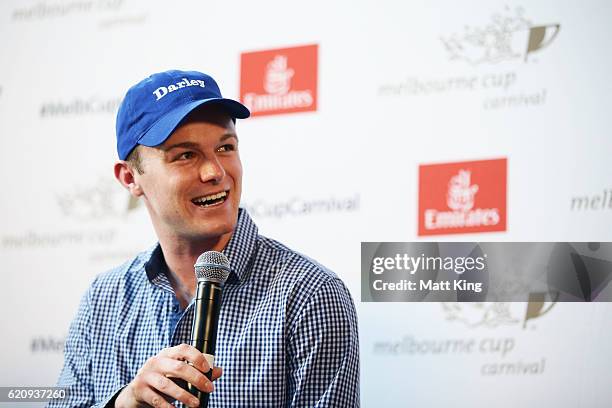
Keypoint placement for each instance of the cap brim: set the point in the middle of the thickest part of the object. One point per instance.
(163, 128)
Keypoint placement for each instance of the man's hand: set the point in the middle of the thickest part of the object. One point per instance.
(152, 385)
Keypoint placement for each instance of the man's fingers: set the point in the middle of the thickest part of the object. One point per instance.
(216, 372)
(154, 383)
(182, 370)
(168, 388)
(150, 397)
(187, 353)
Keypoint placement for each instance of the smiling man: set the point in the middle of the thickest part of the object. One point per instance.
(287, 330)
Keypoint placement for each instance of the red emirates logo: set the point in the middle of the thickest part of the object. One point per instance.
(279, 81)
(464, 197)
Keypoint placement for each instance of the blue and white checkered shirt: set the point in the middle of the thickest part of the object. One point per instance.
(287, 330)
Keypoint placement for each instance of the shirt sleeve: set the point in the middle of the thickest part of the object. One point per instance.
(76, 373)
(323, 350)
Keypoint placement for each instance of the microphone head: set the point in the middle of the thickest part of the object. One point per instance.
(212, 266)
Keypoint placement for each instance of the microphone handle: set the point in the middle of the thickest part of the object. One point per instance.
(204, 329)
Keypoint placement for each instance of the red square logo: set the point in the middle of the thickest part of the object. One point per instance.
(463, 197)
(282, 80)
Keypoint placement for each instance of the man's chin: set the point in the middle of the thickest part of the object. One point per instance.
(212, 232)
(210, 229)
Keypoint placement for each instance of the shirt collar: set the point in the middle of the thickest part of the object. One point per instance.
(238, 250)
(157, 269)
(241, 246)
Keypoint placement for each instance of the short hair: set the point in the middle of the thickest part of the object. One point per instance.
(134, 160)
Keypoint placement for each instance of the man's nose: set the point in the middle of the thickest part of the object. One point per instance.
(212, 170)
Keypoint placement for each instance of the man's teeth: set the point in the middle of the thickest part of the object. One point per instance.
(210, 199)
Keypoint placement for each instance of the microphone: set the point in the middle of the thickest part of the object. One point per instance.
(212, 270)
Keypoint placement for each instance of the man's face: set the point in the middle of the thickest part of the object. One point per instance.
(191, 184)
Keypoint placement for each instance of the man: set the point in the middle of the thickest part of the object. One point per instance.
(288, 331)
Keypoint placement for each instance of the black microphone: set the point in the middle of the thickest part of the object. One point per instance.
(212, 270)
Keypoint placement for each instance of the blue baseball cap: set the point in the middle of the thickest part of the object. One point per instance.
(153, 108)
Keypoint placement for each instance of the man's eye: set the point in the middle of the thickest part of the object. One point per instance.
(185, 156)
(227, 148)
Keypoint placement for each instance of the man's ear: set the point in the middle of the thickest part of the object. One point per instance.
(125, 175)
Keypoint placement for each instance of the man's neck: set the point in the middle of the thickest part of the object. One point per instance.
(180, 256)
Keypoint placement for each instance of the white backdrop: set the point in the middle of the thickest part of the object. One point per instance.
(399, 85)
